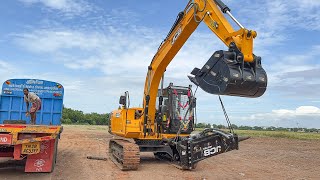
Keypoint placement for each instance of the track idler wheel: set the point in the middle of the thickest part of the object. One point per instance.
(225, 73)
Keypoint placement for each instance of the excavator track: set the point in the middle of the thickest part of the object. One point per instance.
(125, 154)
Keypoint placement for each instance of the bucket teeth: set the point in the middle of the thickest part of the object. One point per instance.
(225, 73)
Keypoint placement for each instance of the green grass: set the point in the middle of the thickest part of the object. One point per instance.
(279, 134)
(276, 134)
(88, 127)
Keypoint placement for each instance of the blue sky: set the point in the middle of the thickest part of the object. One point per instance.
(98, 49)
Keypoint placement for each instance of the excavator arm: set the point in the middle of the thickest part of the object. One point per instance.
(236, 72)
(165, 130)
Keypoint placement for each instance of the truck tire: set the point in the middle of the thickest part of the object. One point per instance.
(54, 159)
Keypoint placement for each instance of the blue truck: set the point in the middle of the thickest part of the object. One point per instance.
(21, 141)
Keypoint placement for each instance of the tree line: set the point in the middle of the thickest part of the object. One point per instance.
(71, 116)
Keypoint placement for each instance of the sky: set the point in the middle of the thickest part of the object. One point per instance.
(99, 49)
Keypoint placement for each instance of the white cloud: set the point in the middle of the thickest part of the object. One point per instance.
(7, 70)
(296, 75)
(69, 7)
(307, 110)
(309, 3)
(122, 59)
(304, 116)
(116, 51)
(275, 20)
(300, 111)
(52, 41)
(5, 67)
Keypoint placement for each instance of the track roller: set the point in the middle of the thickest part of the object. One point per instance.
(125, 154)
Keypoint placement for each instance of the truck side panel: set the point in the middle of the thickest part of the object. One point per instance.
(13, 107)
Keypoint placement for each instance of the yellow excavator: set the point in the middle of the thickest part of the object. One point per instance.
(165, 122)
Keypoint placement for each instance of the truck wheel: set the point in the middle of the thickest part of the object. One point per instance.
(54, 159)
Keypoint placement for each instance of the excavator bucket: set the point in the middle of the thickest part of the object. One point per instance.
(225, 73)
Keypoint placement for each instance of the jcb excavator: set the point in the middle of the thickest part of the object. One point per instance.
(165, 122)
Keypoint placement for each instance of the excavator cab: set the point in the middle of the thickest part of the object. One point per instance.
(226, 73)
(177, 109)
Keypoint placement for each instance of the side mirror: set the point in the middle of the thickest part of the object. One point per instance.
(123, 100)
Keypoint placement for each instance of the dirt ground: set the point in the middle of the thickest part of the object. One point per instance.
(258, 158)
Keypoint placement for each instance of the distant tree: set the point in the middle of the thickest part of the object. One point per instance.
(214, 126)
(208, 125)
(71, 116)
(234, 126)
(257, 128)
(271, 128)
(281, 129)
(313, 130)
(66, 121)
(201, 125)
(245, 128)
(220, 126)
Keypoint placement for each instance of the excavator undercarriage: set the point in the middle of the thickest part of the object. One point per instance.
(124, 154)
(182, 152)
